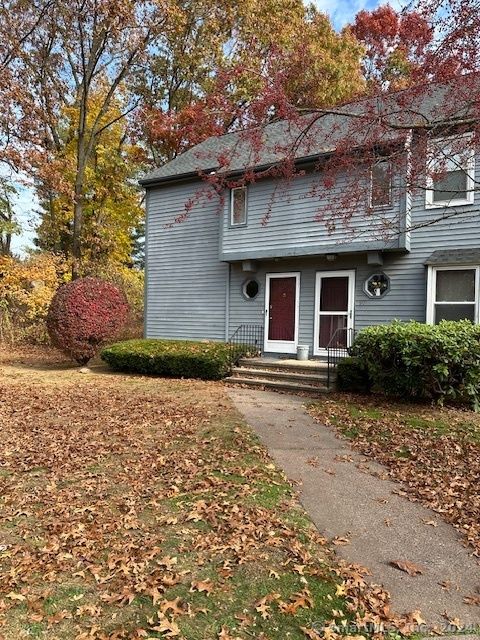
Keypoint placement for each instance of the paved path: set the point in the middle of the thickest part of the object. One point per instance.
(346, 500)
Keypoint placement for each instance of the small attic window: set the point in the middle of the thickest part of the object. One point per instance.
(238, 206)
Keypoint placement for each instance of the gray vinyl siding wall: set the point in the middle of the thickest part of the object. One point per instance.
(292, 228)
(186, 284)
(367, 311)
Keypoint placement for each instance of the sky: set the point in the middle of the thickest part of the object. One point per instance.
(341, 12)
(25, 206)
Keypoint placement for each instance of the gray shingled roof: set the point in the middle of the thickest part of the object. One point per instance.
(454, 256)
(433, 103)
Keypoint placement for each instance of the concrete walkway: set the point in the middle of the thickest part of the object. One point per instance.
(345, 500)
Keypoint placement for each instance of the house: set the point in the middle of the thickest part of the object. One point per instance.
(266, 256)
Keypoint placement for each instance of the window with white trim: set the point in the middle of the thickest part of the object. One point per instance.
(450, 171)
(453, 294)
(381, 184)
(238, 206)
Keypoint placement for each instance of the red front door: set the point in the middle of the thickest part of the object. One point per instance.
(282, 309)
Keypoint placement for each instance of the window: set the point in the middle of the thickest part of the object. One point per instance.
(381, 184)
(377, 285)
(250, 289)
(450, 172)
(238, 206)
(453, 294)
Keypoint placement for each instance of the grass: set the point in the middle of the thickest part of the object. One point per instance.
(133, 507)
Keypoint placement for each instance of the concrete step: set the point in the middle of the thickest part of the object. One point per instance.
(277, 364)
(282, 385)
(317, 377)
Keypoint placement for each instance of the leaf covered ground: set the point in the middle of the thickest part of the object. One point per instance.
(434, 451)
(144, 508)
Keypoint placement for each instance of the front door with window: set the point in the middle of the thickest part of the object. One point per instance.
(281, 312)
(334, 299)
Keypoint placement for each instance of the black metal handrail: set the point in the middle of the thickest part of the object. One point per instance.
(337, 348)
(249, 335)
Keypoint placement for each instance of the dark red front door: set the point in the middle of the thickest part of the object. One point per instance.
(282, 304)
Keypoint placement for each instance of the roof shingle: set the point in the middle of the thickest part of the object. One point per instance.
(430, 104)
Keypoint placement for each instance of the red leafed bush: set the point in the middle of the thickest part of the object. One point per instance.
(83, 315)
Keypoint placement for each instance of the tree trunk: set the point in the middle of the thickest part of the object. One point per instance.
(77, 231)
(78, 199)
(5, 245)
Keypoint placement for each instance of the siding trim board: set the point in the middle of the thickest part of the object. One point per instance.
(147, 264)
(307, 250)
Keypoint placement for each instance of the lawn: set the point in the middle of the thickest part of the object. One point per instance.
(434, 451)
(136, 507)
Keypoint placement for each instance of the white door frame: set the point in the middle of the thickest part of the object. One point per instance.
(350, 273)
(281, 346)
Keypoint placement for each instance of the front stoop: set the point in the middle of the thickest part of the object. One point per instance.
(285, 375)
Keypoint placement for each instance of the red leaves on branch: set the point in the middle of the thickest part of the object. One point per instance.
(83, 315)
(396, 44)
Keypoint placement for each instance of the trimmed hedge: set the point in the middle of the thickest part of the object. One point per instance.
(411, 359)
(175, 358)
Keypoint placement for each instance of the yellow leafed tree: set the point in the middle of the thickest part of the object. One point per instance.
(26, 289)
(112, 202)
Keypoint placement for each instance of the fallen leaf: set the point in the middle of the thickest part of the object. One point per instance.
(338, 541)
(202, 586)
(408, 567)
(15, 596)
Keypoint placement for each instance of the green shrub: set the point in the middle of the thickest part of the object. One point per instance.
(440, 362)
(352, 375)
(175, 358)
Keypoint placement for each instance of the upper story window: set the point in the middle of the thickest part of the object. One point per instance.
(381, 184)
(450, 172)
(238, 206)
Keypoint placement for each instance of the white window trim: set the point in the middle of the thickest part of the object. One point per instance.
(432, 288)
(377, 207)
(232, 191)
(469, 169)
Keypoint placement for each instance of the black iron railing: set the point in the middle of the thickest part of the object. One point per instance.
(338, 348)
(247, 340)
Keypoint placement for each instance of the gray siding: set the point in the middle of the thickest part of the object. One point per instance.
(186, 283)
(367, 311)
(426, 232)
(293, 230)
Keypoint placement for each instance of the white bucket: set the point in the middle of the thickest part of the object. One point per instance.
(302, 352)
